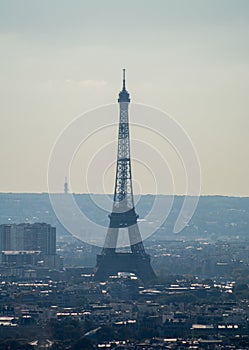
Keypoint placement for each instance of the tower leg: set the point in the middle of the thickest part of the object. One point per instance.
(135, 240)
(111, 240)
(111, 264)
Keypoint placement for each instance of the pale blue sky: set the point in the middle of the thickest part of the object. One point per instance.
(190, 58)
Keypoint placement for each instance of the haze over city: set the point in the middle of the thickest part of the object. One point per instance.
(188, 58)
(124, 198)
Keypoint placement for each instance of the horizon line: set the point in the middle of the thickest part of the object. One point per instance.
(143, 194)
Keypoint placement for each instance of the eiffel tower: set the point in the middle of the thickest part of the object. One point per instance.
(123, 215)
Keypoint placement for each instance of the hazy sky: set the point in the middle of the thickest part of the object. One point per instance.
(60, 58)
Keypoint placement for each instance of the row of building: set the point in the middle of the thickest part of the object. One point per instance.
(28, 245)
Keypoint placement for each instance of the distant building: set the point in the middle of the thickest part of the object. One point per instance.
(19, 257)
(38, 236)
(66, 186)
(5, 237)
(23, 240)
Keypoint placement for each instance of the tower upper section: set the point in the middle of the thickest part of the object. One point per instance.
(123, 95)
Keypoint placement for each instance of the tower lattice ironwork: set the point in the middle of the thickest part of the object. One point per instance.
(123, 215)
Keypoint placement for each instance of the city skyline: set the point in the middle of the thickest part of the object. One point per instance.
(59, 60)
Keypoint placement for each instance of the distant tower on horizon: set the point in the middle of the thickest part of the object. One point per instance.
(123, 215)
(66, 186)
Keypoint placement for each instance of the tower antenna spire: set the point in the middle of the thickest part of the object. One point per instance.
(124, 95)
(124, 79)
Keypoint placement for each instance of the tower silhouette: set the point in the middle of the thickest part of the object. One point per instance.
(123, 215)
(66, 186)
